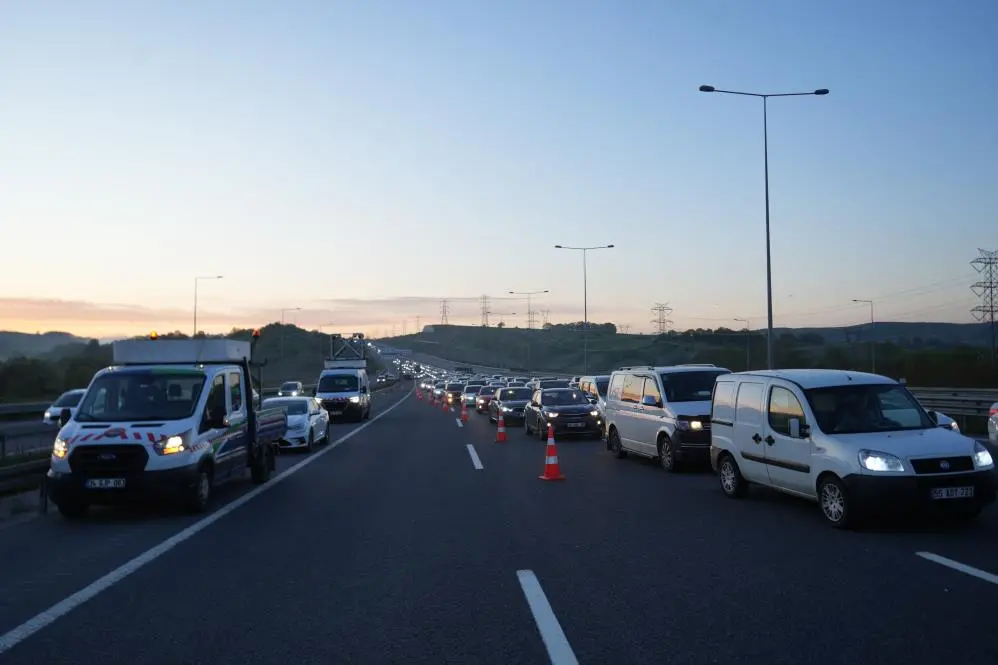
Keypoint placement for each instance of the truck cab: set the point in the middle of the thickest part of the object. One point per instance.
(170, 420)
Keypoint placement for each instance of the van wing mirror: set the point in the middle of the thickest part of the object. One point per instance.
(799, 430)
(64, 416)
(649, 400)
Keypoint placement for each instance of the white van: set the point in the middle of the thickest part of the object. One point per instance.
(856, 443)
(661, 412)
(344, 389)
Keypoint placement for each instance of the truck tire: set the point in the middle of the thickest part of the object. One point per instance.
(260, 470)
(200, 494)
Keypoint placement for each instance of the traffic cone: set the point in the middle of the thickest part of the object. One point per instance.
(551, 468)
(464, 412)
(419, 395)
(501, 429)
(443, 404)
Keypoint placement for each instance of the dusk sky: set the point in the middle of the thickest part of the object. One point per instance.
(362, 160)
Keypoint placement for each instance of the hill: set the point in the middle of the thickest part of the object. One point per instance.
(14, 344)
(925, 354)
(288, 353)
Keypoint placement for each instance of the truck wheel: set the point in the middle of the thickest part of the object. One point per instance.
(74, 510)
(260, 470)
(200, 494)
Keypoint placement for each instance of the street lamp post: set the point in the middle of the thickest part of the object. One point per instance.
(765, 143)
(530, 311)
(283, 312)
(873, 330)
(748, 343)
(585, 300)
(196, 280)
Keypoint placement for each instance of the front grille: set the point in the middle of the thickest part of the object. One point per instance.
(571, 417)
(111, 461)
(937, 464)
(334, 403)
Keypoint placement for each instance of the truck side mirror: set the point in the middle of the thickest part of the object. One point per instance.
(64, 416)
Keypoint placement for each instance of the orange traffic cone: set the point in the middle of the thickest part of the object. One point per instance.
(419, 395)
(551, 468)
(464, 412)
(501, 429)
(443, 405)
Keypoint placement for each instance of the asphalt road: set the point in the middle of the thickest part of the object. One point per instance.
(393, 546)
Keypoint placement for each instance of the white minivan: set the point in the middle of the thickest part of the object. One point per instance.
(856, 443)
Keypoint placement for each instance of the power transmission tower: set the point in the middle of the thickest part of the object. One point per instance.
(662, 320)
(393, 330)
(405, 327)
(624, 328)
(987, 290)
(485, 310)
(444, 311)
(418, 329)
(545, 315)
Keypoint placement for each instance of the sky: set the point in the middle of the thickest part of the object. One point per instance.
(358, 162)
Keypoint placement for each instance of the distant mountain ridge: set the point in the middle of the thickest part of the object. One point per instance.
(31, 345)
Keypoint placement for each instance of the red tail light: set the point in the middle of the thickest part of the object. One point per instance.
(994, 411)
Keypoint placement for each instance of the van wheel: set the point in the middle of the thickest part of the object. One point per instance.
(262, 466)
(834, 502)
(200, 496)
(732, 483)
(615, 446)
(666, 455)
(311, 442)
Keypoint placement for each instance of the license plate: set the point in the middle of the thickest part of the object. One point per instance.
(335, 413)
(952, 492)
(575, 424)
(105, 483)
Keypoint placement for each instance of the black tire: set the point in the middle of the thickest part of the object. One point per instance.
(834, 502)
(262, 466)
(310, 446)
(667, 455)
(73, 510)
(733, 484)
(367, 414)
(526, 427)
(616, 447)
(542, 432)
(200, 494)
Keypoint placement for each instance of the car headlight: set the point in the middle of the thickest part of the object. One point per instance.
(59, 449)
(953, 426)
(355, 399)
(170, 445)
(594, 413)
(48, 414)
(506, 409)
(982, 456)
(551, 414)
(872, 460)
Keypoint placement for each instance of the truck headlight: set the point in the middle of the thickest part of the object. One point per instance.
(60, 449)
(982, 456)
(171, 445)
(879, 462)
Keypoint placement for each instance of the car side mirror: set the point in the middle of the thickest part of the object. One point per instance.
(64, 417)
(799, 430)
(315, 391)
(649, 400)
(933, 416)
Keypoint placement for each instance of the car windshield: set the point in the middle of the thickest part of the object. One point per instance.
(562, 397)
(455, 386)
(290, 385)
(142, 395)
(515, 394)
(690, 386)
(337, 383)
(602, 386)
(487, 390)
(472, 389)
(293, 407)
(553, 384)
(68, 400)
(859, 409)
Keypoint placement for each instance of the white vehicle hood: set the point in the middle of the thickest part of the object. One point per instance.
(931, 442)
(698, 408)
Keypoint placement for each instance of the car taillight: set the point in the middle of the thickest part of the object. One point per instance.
(994, 411)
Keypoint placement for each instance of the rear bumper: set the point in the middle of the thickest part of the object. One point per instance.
(167, 485)
(876, 495)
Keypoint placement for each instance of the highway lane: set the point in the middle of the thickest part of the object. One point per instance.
(394, 547)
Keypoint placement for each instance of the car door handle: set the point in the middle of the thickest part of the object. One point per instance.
(769, 439)
(757, 438)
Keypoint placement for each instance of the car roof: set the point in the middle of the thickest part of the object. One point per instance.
(819, 378)
(287, 399)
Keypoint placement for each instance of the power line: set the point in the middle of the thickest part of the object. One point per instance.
(987, 290)
(662, 320)
(484, 300)
(444, 311)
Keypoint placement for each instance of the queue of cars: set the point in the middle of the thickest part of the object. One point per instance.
(857, 444)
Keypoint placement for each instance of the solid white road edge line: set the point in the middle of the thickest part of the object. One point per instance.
(474, 457)
(559, 650)
(962, 567)
(17, 635)
(459, 423)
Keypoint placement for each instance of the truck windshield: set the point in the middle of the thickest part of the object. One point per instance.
(142, 395)
(690, 386)
(337, 383)
(859, 409)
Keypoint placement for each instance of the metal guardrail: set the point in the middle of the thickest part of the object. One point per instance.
(957, 401)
